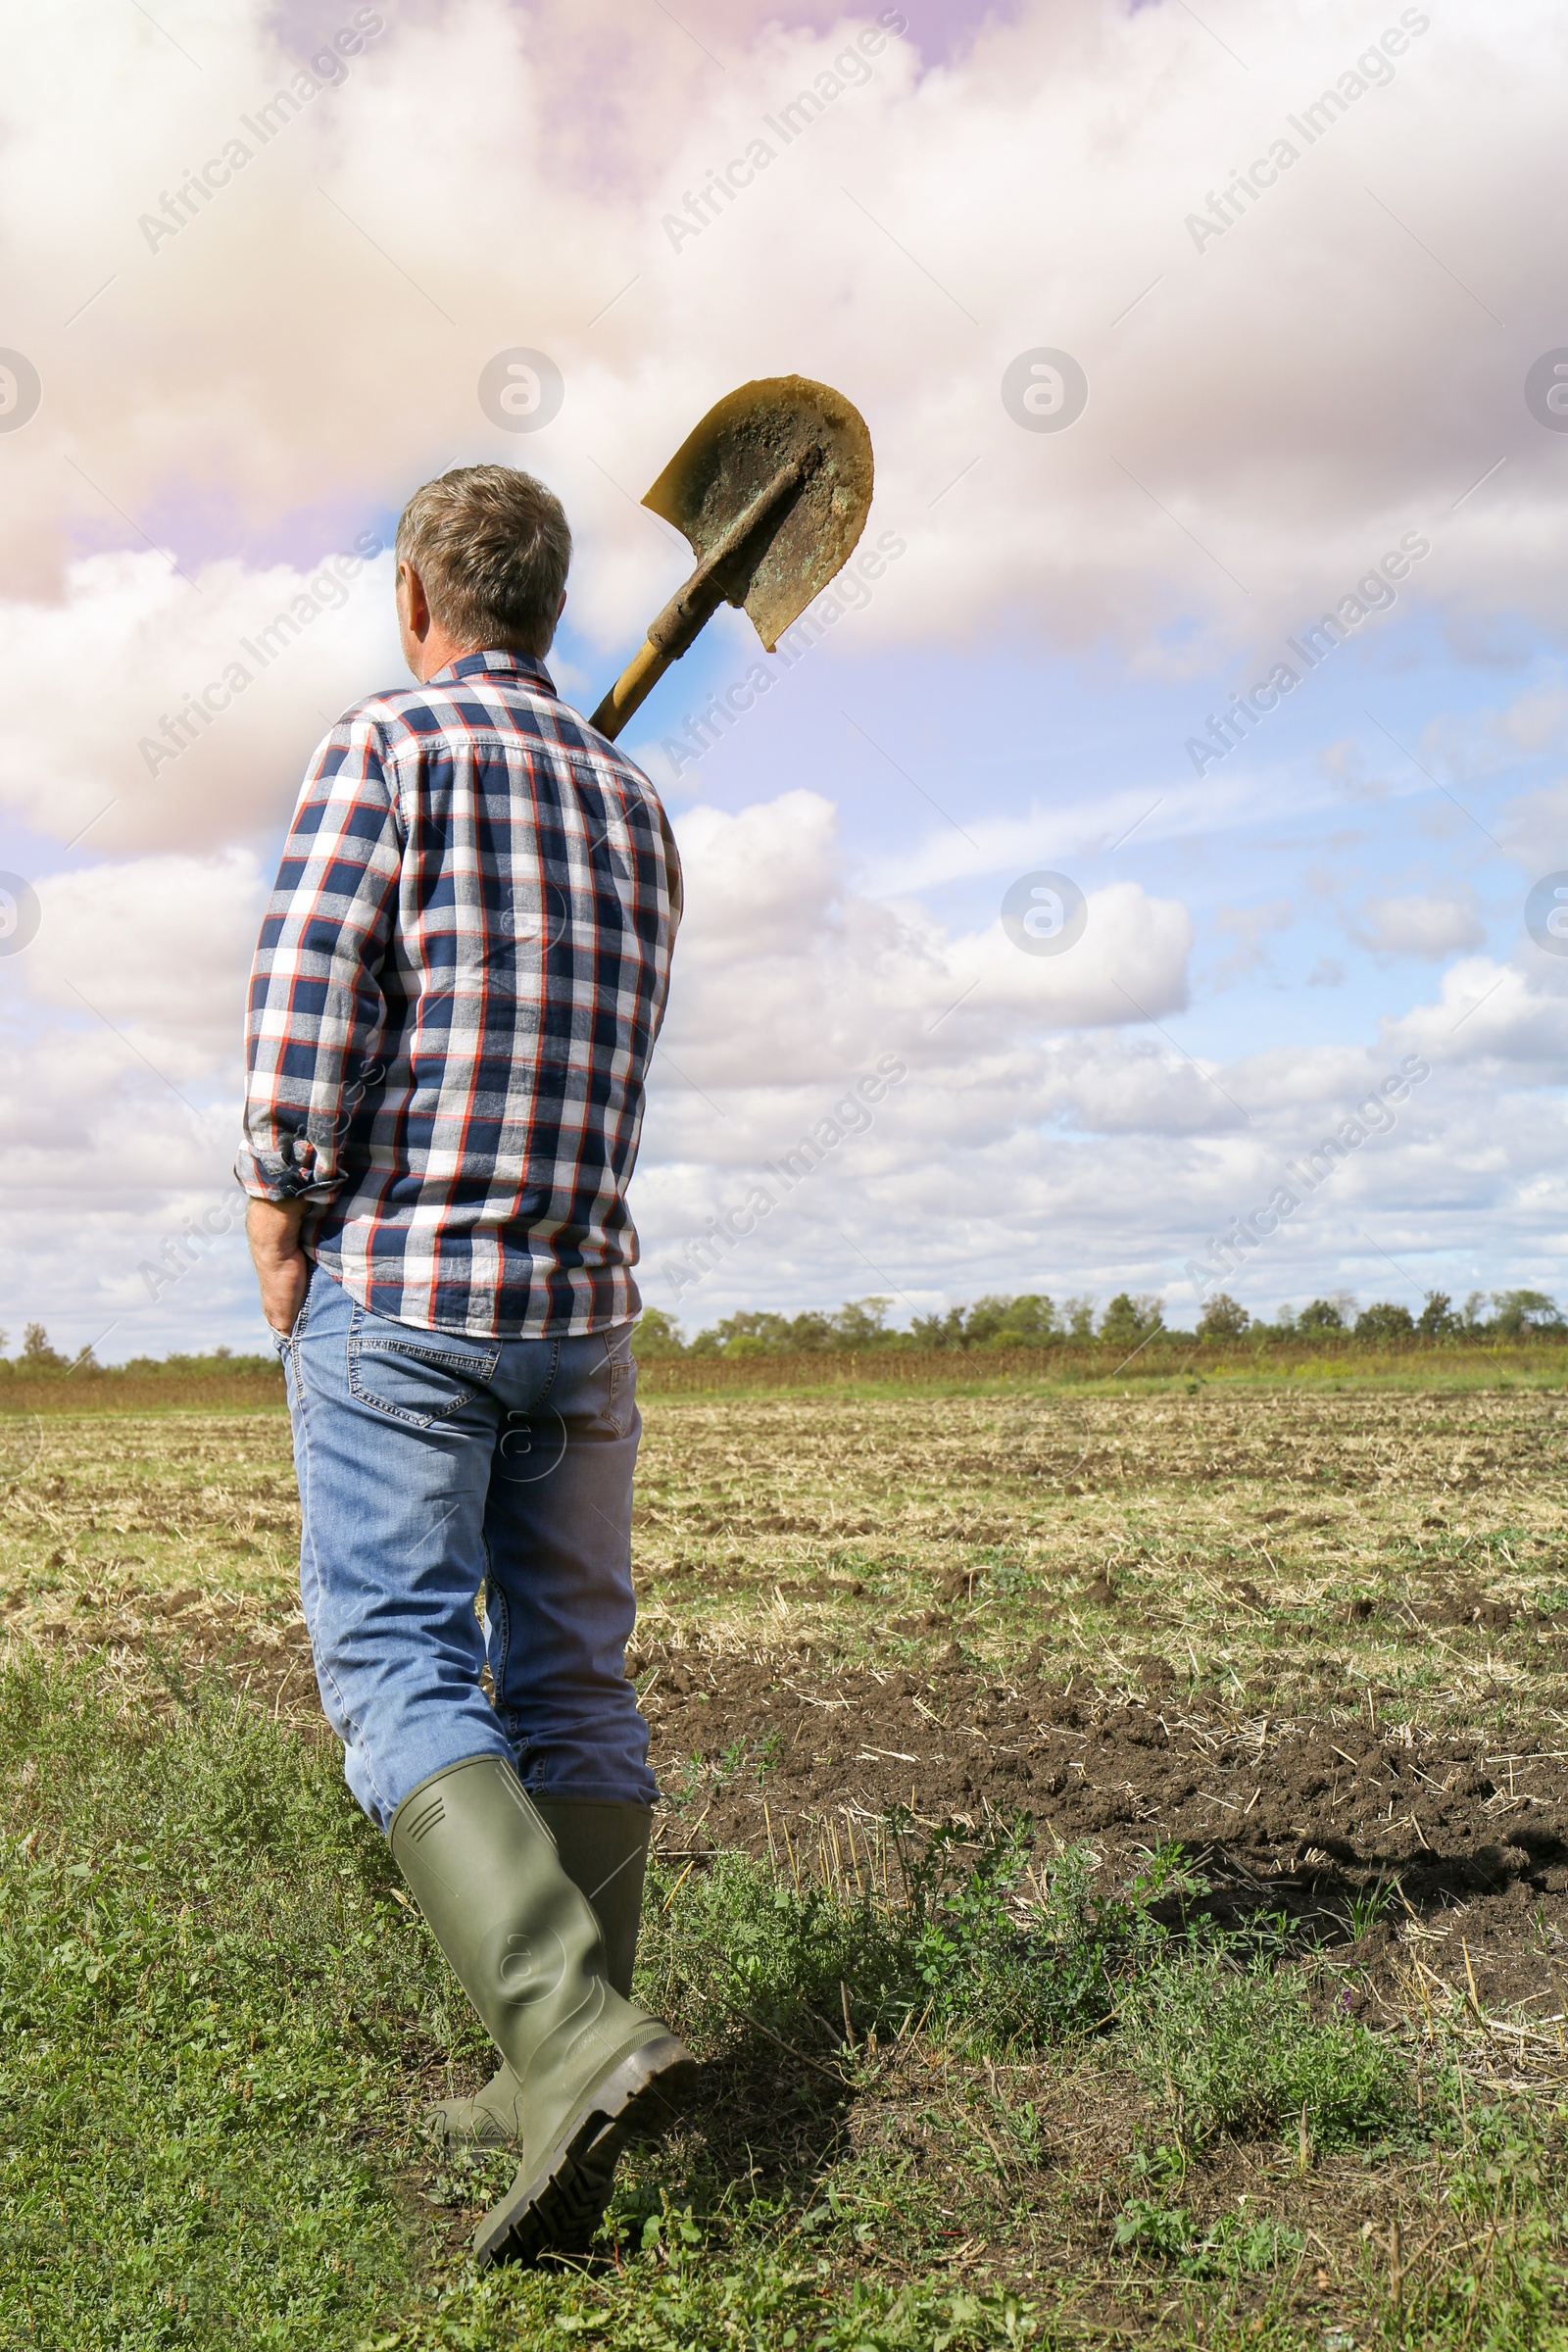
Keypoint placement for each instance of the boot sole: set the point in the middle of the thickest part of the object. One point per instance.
(557, 2209)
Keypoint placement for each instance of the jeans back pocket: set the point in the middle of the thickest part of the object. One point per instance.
(418, 1377)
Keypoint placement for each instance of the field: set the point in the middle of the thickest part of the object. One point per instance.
(1114, 1872)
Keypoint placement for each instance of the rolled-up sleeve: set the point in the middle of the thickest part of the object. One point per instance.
(316, 1009)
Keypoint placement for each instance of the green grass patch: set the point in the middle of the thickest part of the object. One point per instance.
(1239, 2050)
(205, 2005)
(1229, 2247)
(219, 2024)
(960, 1952)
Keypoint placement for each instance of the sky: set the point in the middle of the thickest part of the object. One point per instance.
(1180, 337)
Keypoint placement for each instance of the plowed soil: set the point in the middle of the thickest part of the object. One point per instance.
(1294, 1815)
(1043, 1604)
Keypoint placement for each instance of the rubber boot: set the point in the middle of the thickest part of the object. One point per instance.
(526, 1945)
(603, 1851)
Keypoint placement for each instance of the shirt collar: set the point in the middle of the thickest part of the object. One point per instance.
(497, 661)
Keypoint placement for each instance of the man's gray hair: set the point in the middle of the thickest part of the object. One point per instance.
(492, 547)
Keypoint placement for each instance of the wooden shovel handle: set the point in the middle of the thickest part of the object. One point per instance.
(636, 681)
(694, 604)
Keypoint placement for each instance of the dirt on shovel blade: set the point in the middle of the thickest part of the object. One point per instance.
(737, 450)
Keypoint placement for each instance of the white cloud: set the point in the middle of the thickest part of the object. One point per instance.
(1031, 1144)
(1534, 828)
(786, 976)
(1510, 1018)
(158, 946)
(1429, 927)
(313, 336)
(1249, 927)
(1266, 417)
(151, 710)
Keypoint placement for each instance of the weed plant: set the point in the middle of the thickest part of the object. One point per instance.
(960, 1952)
(1237, 2049)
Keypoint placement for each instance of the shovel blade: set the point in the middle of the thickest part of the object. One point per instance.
(735, 451)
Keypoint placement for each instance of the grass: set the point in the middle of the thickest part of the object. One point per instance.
(973, 2094)
(1173, 1363)
(219, 2021)
(1238, 2050)
(201, 2023)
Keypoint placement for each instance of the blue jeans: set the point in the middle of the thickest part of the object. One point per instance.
(439, 1474)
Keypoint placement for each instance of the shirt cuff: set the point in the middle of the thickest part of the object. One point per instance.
(288, 1174)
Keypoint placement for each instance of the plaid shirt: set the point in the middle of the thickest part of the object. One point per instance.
(455, 992)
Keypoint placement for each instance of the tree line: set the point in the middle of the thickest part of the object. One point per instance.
(1035, 1320)
(40, 1355)
(1031, 1319)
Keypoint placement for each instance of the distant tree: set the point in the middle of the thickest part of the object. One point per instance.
(862, 1323)
(657, 1333)
(753, 1332)
(1129, 1321)
(984, 1320)
(37, 1353)
(1522, 1314)
(938, 1331)
(812, 1331)
(221, 1359)
(1284, 1325)
(1436, 1319)
(1383, 1320)
(1080, 1314)
(1475, 1312)
(1029, 1321)
(1318, 1319)
(1223, 1318)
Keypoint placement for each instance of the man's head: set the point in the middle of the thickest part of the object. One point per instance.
(482, 557)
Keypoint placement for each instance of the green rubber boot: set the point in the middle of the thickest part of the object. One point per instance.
(589, 2069)
(603, 1851)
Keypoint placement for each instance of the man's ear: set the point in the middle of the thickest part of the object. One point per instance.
(414, 602)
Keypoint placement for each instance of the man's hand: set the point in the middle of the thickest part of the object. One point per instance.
(272, 1229)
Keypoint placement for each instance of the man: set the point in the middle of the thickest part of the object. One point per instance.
(457, 987)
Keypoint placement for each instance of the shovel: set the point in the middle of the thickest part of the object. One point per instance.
(772, 490)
